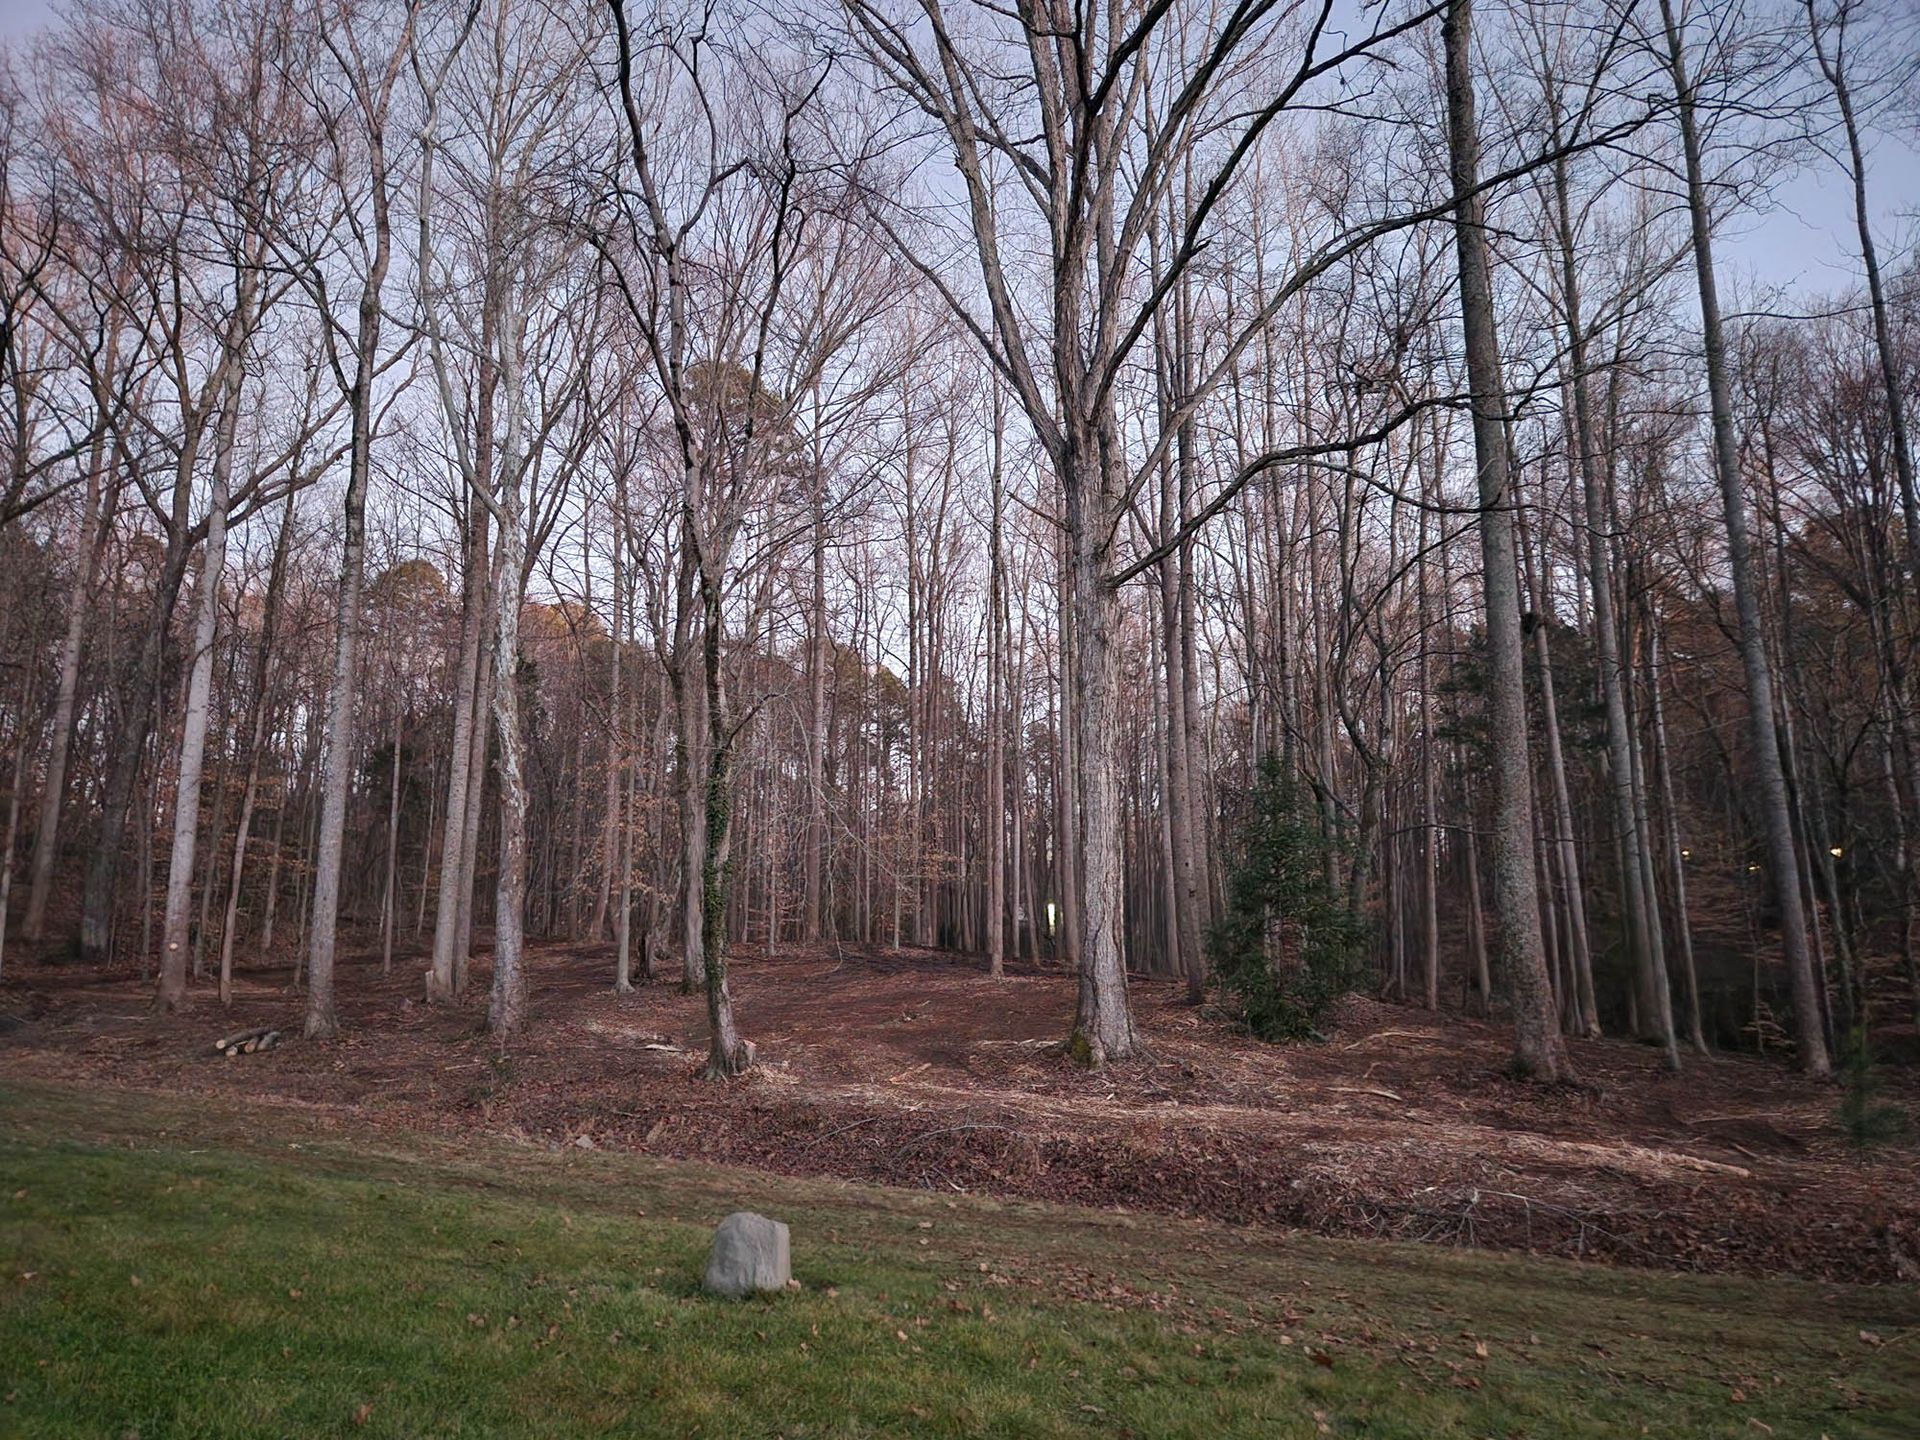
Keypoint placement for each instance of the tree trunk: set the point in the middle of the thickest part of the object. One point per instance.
(481, 735)
(258, 705)
(322, 1022)
(143, 691)
(996, 720)
(389, 896)
(193, 724)
(1539, 1049)
(89, 540)
(1676, 860)
(507, 1003)
(1586, 1004)
(690, 770)
(727, 1053)
(815, 844)
(23, 732)
(1655, 1013)
(1833, 67)
(452, 900)
(1103, 1024)
(1771, 785)
(613, 849)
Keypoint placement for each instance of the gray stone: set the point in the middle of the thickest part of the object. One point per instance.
(750, 1252)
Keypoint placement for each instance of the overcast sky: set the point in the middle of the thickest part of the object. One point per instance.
(19, 16)
(1805, 242)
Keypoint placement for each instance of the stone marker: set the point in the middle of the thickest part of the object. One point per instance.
(750, 1252)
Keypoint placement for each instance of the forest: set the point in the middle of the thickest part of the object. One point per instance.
(1173, 588)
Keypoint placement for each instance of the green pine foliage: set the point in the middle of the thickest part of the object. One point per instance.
(1287, 945)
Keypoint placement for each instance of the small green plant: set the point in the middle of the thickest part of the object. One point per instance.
(1866, 1122)
(1287, 945)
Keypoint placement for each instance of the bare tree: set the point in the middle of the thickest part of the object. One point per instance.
(368, 53)
(1088, 165)
(1539, 1047)
(1782, 857)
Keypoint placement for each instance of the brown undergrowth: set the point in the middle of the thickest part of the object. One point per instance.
(913, 1068)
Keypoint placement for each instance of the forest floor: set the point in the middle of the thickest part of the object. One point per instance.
(912, 1068)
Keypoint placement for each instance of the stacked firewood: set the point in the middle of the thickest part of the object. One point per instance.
(246, 1042)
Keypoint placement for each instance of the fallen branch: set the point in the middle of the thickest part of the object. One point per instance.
(948, 1130)
(841, 1130)
(1391, 1035)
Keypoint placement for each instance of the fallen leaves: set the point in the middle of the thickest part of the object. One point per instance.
(1021, 1122)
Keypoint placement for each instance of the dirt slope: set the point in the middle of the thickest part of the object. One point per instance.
(913, 1068)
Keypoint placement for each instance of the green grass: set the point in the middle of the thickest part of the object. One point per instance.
(197, 1269)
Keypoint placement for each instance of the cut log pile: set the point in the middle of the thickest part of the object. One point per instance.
(247, 1042)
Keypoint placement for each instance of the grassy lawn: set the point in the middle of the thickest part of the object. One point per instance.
(177, 1268)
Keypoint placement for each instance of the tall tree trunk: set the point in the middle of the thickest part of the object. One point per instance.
(193, 724)
(1195, 800)
(1477, 924)
(690, 771)
(1188, 890)
(123, 773)
(815, 844)
(10, 833)
(452, 900)
(258, 706)
(615, 856)
(1539, 1048)
(1662, 989)
(507, 1002)
(1771, 785)
(996, 720)
(322, 1021)
(1676, 858)
(277, 855)
(1429, 800)
(1833, 67)
(1586, 1005)
(480, 733)
(389, 889)
(727, 1053)
(88, 542)
(466, 764)
(1103, 1024)
(1655, 1012)
(1068, 836)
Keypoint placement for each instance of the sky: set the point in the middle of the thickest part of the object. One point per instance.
(17, 17)
(1806, 242)
(1809, 241)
